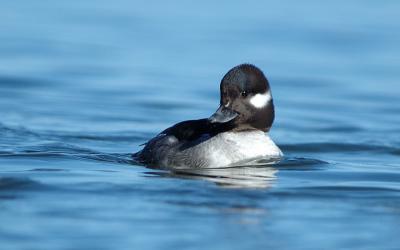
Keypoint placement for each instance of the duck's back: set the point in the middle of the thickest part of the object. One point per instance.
(222, 150)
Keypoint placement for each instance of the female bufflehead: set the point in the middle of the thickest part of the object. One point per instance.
(234, 134)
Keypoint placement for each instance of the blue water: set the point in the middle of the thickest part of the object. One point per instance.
(84, 83)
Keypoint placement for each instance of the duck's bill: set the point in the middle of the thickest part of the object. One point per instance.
(223, 115)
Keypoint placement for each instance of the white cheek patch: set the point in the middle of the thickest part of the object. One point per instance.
(261, 100)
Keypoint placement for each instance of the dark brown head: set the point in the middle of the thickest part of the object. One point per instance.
(246, 100)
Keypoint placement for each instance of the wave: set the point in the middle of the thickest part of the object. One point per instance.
(301, 163)
(16, 82)
(24, 133)
(67, 151)
(14, 183)
(332, 147)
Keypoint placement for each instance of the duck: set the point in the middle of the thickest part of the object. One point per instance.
(237, 133)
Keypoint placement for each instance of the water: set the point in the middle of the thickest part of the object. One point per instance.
(83, 84)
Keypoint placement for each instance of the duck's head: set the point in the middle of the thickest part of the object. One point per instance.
(246, 100)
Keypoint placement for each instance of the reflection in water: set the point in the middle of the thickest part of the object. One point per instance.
(255, 174)
(233, 177)
(260, 173)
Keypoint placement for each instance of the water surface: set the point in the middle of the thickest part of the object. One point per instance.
(83, 84)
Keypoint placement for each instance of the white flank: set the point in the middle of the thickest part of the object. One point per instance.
(260, 100)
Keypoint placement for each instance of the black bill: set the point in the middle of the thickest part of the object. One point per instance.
(223, 115)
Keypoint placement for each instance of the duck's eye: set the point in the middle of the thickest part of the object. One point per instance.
(243, 93)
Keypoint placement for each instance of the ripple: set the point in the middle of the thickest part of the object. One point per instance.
(340, 191)
(118, 137)
(357, 189)
(14, 82)
(13, 183)
(338, 129)
(300, 163)
(47, 170)
(396, 151)
(62, 150)
(335, 147)
(18, 133)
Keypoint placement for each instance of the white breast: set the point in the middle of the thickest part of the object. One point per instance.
(228, 148)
